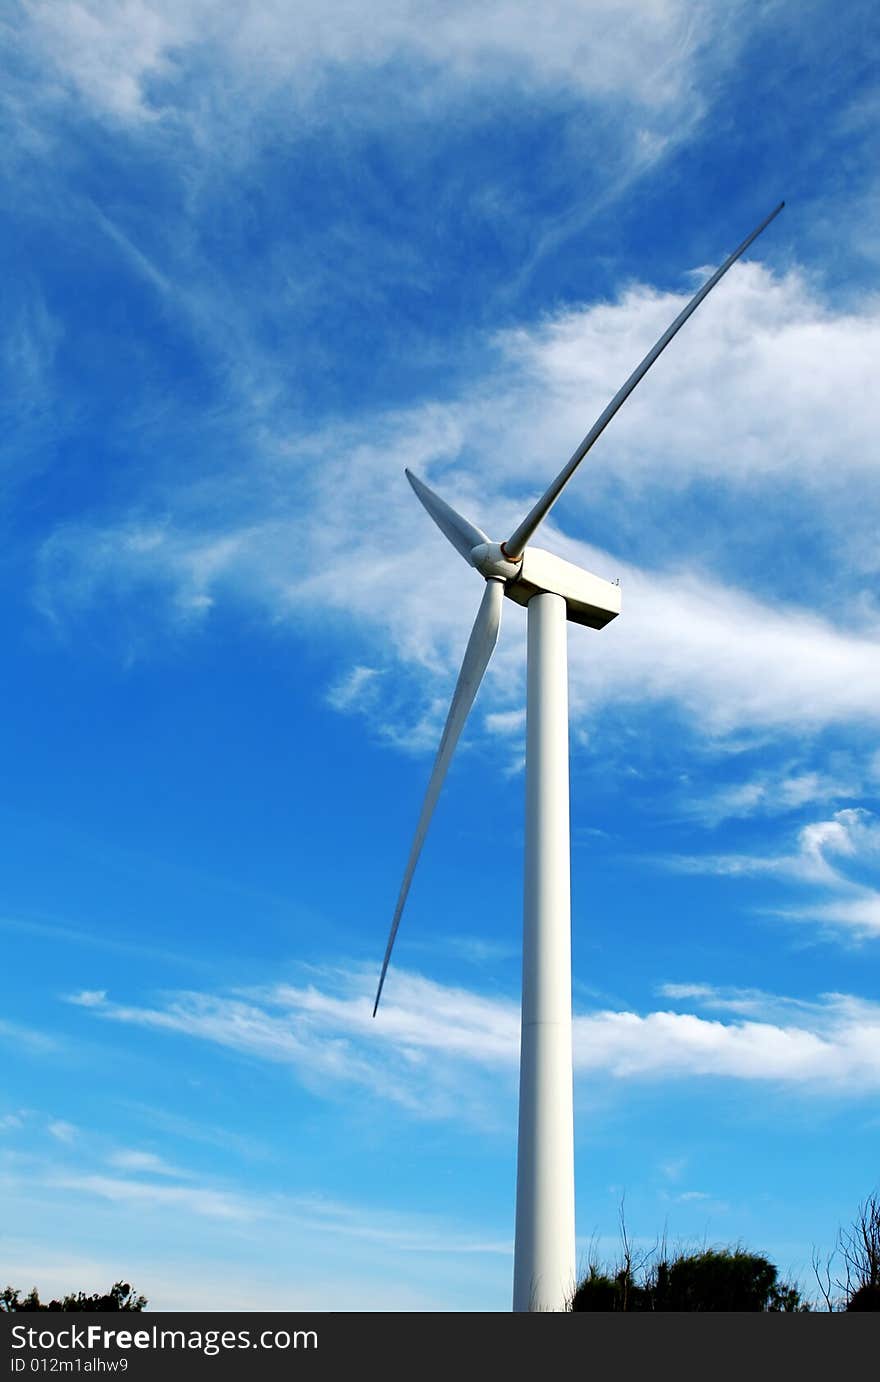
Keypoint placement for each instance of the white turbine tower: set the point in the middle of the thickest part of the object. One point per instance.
(553, 591)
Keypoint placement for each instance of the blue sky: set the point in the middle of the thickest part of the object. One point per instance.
(258, 259)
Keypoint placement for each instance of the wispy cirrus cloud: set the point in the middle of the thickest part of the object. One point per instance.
(838, 858)
(355, 691)
(26, 1039)
(776, 792)
(850, 834)
(726, 648)
(127, 61)
(168, 1215)
(211, 1204)
(328, 1037)
(433, 1038)
(63, 1131)
(820, 1014)
(149, 1181)
(134, 1159)
(727, 660)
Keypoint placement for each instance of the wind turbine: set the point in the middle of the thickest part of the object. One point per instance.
(553, 591)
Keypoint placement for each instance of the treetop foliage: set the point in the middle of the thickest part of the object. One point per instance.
(121, 1296)
(725, 1279)
(710, 1280)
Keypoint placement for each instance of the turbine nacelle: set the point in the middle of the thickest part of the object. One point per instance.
(588, 599)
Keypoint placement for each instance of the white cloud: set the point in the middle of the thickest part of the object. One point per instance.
(431, 1039)
(306, 1212)
(211, 1204)
(674, 1168)
(328, 1036)
(109, 52)
(665, 1045)
(854, 832)
(766, 380)
(62, 1131)
(849, 833)
(680, 991)
(731, 658)
(859, 915)
(28, 347)
(771, 794)
(26, 1039)
(477, 949)
(323, 1251)
(123, 59)
(822, 1015)
(825, 850)
(729, 661)
(89, 998)
(355, 691)
(131, 1159)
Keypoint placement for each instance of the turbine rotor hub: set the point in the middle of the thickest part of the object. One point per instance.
(490, 561)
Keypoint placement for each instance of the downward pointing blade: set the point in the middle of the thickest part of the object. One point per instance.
(481, 644)
(513, 547)
(462, 534)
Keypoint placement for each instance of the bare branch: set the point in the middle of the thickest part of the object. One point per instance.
(822, 1273)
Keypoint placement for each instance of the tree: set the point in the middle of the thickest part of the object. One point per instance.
(859, 1246)
(722, 1279)
(864, 1298)
(715, 1279)
(601, 1291)
(849, 1275)
(121, 1296)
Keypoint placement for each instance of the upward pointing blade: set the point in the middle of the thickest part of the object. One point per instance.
(481, 645)
(513, 547)
(462, 534)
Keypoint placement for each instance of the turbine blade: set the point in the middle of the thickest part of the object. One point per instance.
(462, 534)
(481, 644)
(513, 547)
